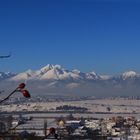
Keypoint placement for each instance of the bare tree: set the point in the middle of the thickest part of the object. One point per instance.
(20, 88)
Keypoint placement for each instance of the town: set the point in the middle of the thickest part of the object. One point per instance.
(68, 127)
(70, 119)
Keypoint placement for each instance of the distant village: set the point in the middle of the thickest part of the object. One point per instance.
(66, 118)
(18, 127)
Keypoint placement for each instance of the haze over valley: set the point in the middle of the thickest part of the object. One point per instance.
(56, 80)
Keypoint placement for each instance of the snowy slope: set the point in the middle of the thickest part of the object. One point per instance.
(56, 72)
(56, 79)
(130, 74)
(5, 75)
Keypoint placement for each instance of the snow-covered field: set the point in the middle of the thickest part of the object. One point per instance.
(98, 109)
(99, 105)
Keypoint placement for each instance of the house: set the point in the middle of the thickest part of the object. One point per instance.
(5, 123)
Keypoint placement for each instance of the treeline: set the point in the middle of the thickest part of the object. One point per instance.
(71, 108)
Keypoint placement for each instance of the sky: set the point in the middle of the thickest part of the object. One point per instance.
(89, 35)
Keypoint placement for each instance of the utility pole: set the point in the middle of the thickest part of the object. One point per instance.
(45, 127)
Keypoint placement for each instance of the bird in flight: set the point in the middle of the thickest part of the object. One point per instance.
(5, 56)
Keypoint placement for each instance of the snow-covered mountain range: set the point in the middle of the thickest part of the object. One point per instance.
(56, 79)
(56, 72)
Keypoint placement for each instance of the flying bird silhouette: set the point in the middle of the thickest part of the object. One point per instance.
(5, 56)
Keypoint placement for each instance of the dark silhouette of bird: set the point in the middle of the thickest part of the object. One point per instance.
(5, 56)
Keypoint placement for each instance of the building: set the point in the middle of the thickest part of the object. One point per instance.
(5, 123)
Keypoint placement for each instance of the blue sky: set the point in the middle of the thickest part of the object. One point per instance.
(99, 35)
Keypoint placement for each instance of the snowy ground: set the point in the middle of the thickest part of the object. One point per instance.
(100, 105)
(98, 109)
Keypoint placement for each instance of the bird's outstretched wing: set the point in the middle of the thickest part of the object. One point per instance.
(5, 56)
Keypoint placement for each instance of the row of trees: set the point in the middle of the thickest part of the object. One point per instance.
(71, 108)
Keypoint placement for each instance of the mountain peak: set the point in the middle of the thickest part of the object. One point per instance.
(76, 71)
(47, 67)
(50, 66)
(4, 75)
(129, 74)
(56, 72)
(92, 75)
